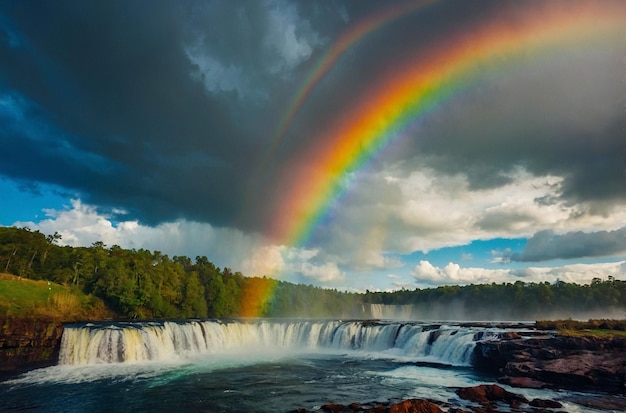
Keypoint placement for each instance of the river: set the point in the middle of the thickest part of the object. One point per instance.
(258, 365)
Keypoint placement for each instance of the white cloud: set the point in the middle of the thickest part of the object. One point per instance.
(395, 211)
(284, 41)
(215, 75)
(82, 225)
(323, 273)
(265, 260)
(453, 274)
(289, 39)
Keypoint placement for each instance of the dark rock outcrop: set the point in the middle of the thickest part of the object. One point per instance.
(489, 394)
(524, 382)
(491, 398)
(27, 343)
(551, 404)
(404, 406)
(556, 361)
(415, 406)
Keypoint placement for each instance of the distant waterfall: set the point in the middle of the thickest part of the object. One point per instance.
(392, 312)
(166, 341)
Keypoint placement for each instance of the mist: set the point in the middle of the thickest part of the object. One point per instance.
(460, 310)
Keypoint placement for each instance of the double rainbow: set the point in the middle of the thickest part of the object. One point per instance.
(422, 84)
(355, 34)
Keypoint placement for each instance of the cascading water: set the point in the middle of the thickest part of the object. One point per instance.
(391, 312)
(252, 366)
(167, 341)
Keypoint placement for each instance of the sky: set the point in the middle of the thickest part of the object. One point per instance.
(355, 145)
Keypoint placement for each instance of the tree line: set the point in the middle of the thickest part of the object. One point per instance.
(145, 284)
(513, 301)
(149, 284)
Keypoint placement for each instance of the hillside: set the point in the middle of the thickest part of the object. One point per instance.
(24, 298)
(142, 284)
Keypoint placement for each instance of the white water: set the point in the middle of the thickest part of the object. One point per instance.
(171, 341)
(254, 365)
(392, 312)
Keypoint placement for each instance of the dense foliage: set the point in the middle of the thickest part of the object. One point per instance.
(145, 284)
(513, 301)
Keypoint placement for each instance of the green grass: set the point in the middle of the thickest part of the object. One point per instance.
(596, 328)
(20, 297)
(593, 333)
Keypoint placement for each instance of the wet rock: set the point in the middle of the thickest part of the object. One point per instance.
(492, 399)
(380, 408)
(402, 406)
(334, 408)
(352, 407)
(487, 394)
(559, 362)
(27, 343)
(523, 382)
(551, 404)
(588, 369)
(601, 402)
(415, 406)
(434, 335)
(509, 335)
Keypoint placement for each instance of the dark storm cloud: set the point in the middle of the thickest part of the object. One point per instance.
(111, 99)
(561, 116)
(166, 108)
(546, 245)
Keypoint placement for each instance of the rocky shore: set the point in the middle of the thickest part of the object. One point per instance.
(485, 398)
(523, 359)
(554, 361)
(529, 359)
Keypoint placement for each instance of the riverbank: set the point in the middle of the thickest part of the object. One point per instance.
(519, 357)
(216, 350)
(28, 343)
(581, 362)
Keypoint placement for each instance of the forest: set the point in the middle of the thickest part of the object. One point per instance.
(141, 284)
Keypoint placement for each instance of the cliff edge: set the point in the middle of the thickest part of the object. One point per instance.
(28, 343)
(556, 361)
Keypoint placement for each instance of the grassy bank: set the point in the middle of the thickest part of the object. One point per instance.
(596, 328)
(20, 297)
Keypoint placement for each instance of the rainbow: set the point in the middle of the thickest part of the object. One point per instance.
(420, 85)
(355, 34)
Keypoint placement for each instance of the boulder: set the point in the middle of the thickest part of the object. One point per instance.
(523, 382)
(551, 404)
(603, 370)
(403, 406)
(601, 402)
(488, 394)
(556, 361)
(415, 406)
(334, 408)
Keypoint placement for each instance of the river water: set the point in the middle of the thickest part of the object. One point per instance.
(254, 366)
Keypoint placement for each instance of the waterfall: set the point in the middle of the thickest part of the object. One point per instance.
(167, 341)
(392, 312)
